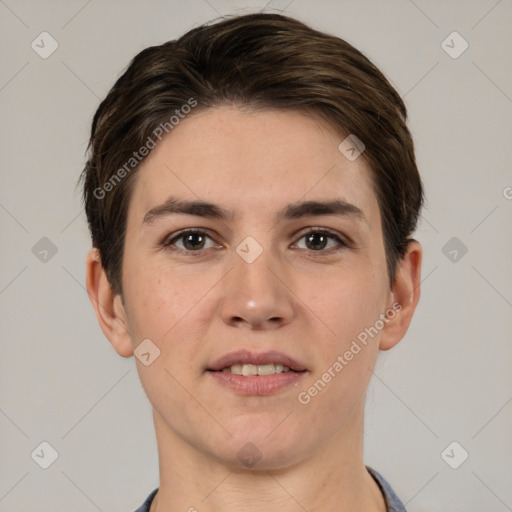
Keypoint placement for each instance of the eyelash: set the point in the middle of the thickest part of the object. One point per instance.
(169, 241)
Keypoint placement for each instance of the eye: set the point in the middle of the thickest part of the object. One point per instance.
(318, 240)
(193, 240)
(190, 240)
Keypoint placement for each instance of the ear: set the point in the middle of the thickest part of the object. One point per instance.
(404, 297)
(108, 306)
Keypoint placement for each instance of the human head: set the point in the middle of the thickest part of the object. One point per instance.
(257, 137)
(257, 61)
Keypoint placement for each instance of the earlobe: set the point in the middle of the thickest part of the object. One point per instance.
(108, 306)
(405, 295)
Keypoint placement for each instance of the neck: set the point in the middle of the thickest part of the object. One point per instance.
(333, 479)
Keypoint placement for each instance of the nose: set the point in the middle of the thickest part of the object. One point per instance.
(257, 295)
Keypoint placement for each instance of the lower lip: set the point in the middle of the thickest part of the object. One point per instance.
(257, 385)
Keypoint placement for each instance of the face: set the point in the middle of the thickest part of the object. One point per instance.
(261, 275)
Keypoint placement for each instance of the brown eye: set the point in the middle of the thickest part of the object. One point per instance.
(320, 240)
(316, 241)
(193, 241)
(189, 241)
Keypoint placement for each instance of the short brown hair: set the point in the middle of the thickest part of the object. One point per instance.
(260, 61)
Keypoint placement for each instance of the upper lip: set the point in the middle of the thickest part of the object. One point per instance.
(255, 358)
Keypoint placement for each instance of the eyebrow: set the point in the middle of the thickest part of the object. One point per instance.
(297, 210)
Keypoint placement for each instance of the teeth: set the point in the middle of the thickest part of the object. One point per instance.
(236, 369)
(251, 369)
(266, 369)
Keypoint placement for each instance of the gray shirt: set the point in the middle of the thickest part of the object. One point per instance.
(393, 503)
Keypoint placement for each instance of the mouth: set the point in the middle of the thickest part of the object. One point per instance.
(248, 363)
(248, 370)
(250, 373)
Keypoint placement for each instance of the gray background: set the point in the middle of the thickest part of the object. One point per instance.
(448, 380)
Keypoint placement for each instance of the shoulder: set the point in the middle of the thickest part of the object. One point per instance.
(147, 504)
(393, 502)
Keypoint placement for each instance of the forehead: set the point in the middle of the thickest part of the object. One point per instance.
(252, 161)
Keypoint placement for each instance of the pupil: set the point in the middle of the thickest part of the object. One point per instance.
(317, 237)
(189, 241)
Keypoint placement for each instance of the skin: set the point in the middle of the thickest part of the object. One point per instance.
(309, 301)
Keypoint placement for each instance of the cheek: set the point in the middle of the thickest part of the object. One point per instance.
(344, 303)
(350, 304)
(164, 304)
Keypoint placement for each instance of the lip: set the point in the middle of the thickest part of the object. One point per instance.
(256, 385)
(256, 358)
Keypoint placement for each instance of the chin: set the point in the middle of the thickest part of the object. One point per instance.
(260, 449)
